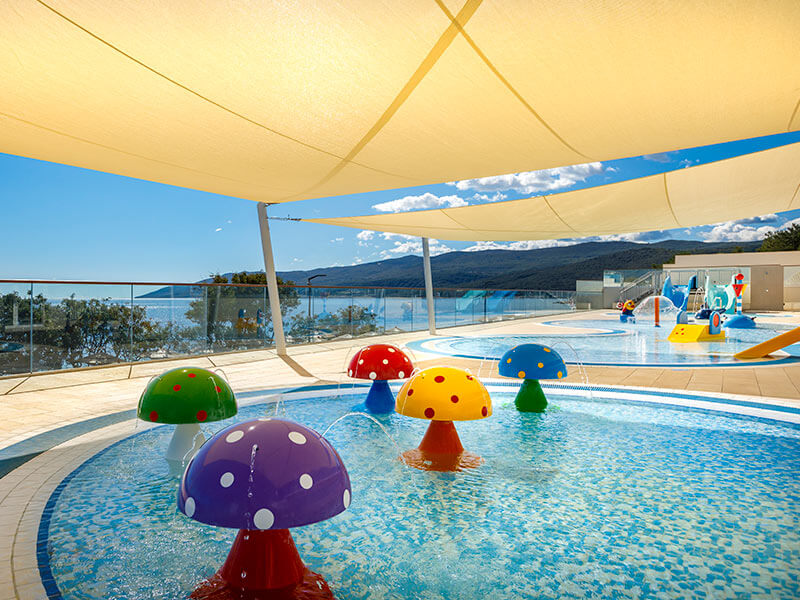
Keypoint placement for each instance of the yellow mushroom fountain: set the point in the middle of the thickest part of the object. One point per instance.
(443, 395)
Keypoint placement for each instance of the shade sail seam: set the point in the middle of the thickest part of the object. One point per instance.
(416, 78)
(126, 152)
(558, 216)
(794, 114)
(206, 98)
(669, 202)
(796, 191)
(454, 220)
(506, 82)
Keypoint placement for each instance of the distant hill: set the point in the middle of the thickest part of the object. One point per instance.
(542, 268)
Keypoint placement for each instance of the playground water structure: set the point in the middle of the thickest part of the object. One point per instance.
(608, 342)
(613, 494)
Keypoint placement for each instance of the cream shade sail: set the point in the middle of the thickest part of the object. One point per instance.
(748, 185)
(278, 101)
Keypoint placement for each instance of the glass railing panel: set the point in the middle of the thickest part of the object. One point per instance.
(238, 318)
(15, 328)
(80, 325)
(399, 311)
(169, 321)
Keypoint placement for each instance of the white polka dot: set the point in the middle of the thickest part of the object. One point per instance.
(306, 481)
(263, 519)
(373, 375)
(189, 507)
(226, 480)
(350, 372)
(401, 374)
(297, 437)
(346, 498)
(391, 349)
(405, 358)
(361, 362)
(386, 361)
(234, 436)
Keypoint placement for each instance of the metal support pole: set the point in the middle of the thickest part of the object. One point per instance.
(272, 282)
(426, 264)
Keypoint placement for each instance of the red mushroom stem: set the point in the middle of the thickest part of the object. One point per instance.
(264, 565)
(441, 450)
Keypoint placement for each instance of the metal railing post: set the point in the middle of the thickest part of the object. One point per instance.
(30, 321)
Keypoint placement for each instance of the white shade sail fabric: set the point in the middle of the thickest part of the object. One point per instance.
(288, 100)
(744, 186)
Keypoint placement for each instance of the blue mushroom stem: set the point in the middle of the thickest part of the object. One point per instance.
(380, 399)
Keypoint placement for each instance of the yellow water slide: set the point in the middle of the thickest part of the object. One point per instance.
(771, 345)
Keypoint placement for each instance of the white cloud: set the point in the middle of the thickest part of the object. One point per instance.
(752, 229)
(734, 232)
(337, 240)
(424, 201)
(530, 182)
(412, 245)
(496, 197)
(364, 237)
(218, 229)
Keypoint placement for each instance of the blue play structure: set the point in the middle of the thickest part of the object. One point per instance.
(720, 298)
(471, 301)
(679, 294)
(497, 302)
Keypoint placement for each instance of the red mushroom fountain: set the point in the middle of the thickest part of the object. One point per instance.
(380, 363)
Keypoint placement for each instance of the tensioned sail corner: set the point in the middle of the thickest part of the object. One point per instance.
(744, 186)
(280, 101)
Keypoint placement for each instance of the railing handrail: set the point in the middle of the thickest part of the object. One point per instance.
(262, 285)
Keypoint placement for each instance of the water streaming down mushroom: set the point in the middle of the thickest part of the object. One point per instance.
(380, 363)
(443, 395)
(186, 397)
(532, 362)
(262, 477)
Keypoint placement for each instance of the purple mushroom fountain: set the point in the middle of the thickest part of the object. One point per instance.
(262, 477)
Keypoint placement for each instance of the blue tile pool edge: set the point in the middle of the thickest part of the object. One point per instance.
(42, 539)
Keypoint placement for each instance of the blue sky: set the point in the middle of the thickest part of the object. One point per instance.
(63, 222)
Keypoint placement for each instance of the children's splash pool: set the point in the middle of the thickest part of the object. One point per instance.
(607, 342)
(600, 496)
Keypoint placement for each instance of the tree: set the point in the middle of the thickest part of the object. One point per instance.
(219, 312)
(351, 320)
(784, 239)
(77, 333)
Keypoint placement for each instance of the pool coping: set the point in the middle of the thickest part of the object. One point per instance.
(35, 517)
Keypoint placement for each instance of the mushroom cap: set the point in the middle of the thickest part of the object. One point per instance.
(380, 361)
(444, 394)
(187, 395)
(264, 474)
(532, 361)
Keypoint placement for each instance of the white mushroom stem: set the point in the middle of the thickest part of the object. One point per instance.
(185, 442)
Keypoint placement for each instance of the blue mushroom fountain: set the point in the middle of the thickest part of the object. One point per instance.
(532, 362)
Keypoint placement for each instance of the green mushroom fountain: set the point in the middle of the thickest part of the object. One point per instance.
(186, 397)
(532, 362)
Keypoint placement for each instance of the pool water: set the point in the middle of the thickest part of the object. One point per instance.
(610, 342)
(594, 498)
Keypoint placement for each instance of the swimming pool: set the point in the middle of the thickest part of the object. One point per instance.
(597, 497)
(608, 342)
